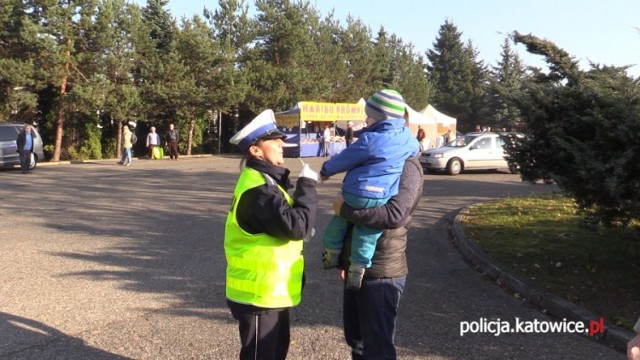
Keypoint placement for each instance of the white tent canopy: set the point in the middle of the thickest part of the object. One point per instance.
(416, 118)
(439, 117)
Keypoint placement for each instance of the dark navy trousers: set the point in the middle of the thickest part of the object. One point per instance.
(370, 316)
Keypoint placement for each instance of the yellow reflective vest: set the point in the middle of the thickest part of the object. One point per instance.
(261, 270)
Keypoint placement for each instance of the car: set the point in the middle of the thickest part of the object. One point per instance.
(8, 149)
(472, 151)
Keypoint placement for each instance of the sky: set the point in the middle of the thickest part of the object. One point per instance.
(597, 31)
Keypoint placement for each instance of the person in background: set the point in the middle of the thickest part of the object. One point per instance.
(373, 165)
(172, 142)
(448, 137)
(421, 136)
(153, 140)
(370, 315)
(348, 136)
(24, 144)
(263, 240)
(127, 144)
(326, 137)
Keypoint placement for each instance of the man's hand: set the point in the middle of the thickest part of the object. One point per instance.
(308, 173)
(633, 348)
(343, 276)
(337, 203)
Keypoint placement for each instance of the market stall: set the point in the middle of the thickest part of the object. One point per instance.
(428, 124)
(305, 123)
(443, 122)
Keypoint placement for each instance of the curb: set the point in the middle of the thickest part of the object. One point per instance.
(549, 303)
(91, 161)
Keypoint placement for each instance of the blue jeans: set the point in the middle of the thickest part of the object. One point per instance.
(364, 239)
(370, 316)
(126, 155)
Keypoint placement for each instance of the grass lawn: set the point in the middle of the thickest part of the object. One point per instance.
(543, 240)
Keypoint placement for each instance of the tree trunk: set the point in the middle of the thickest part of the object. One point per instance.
(118, 140)
(61, 105)
(192, 126)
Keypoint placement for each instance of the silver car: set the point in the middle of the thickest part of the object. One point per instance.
(9, 150)
(473, 151)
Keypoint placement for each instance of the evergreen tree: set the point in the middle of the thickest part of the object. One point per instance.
(358, 62)
(200, 54)
(383, 75)
(160, 76)
(331, 62)
(233, 31)
(281, 65)
(161, 23)
(583, 130)
(115, 96)
(64, 23)
(478, 88)
(457, 77)
(506, 85)
(410, 79)
(19, 48)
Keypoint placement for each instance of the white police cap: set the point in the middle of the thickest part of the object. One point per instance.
(261, 128)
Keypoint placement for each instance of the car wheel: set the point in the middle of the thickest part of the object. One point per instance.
(34, 161)
(454, 167)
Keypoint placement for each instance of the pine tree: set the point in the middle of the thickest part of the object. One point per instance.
(410, 77)
(233, 31)
(64, 23)
(357, 54)
(116, 97)
(506, 86)
(583, 128)
(161, 23)
(160, 75)
(281, 64)
(19, 54)
(457, 77)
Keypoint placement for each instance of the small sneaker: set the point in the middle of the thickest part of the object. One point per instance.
(330, 258)
(128, 164)
(354, 277)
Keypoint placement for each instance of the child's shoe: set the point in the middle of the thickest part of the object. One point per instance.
(354, 277)
(330, 258)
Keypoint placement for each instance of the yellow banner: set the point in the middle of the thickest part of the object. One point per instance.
(350, 112)
(322, 111)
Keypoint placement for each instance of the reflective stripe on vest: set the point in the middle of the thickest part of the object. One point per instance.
(261, 270)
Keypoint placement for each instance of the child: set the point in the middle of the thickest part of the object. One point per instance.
(373, 164)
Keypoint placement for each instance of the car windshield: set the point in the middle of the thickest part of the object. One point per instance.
(461, 141)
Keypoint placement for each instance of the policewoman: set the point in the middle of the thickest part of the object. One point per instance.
(263, 240)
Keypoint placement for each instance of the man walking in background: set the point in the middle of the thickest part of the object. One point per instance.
(127, 144)
(348, 137)
(326, 137)
(172, 139)
(25, 148)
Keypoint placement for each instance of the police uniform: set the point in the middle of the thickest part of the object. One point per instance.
(263, 246)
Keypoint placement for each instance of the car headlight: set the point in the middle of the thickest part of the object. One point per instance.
(436, 155)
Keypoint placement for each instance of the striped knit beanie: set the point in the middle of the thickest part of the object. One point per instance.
(385, 104)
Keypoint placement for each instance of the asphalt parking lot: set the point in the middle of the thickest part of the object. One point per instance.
(101, 261)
